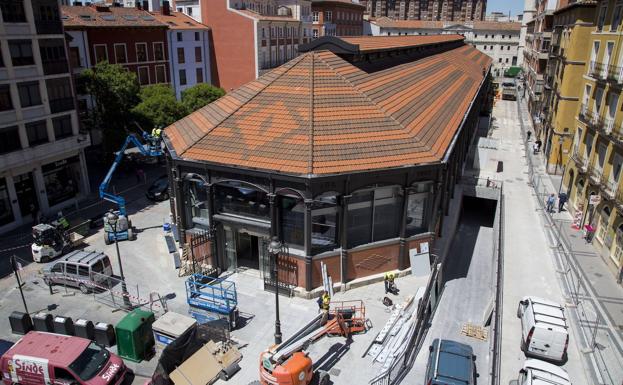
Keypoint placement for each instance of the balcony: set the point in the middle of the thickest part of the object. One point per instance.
(608, 125)
(608, 187)
(580, 160)
(596, 70)
(595, 173)
(615, 74)
(590, 118)
(618, 198)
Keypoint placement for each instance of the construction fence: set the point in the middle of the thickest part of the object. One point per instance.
(607, 365)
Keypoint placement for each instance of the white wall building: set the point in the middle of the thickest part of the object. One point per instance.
(496, 39)
(529, 12)
(42, 161)
(191, 8)
(189, 51)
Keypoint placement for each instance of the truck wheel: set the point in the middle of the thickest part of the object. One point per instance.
(323, 377)
(131, 236)
(106, 239)
(83, 288)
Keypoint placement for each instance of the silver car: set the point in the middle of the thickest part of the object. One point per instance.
(85, 270)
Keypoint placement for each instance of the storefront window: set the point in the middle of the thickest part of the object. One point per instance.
(6, 211)
(387, 212)
(417, 205)
(292, 211)
(324, 223)
(61, 180)
(241, 200)
(199, 203)
(360, 218)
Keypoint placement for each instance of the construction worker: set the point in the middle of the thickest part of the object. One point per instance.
(390, 286)
(63, 223)
(156, 134)
(323, 305)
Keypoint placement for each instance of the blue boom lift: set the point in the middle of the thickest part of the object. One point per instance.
(124, 225)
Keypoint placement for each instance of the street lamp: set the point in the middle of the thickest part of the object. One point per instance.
(113, 219)
(274, 248)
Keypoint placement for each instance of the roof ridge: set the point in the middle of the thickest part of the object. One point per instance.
(368, 98)
(310, 167)
(255, 94)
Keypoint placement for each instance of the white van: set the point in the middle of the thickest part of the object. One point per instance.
(544, 329)
(537, 372)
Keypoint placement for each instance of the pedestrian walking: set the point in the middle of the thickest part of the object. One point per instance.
(529, 135)
(538, 145)
(550, 203)
(535, 148)
(562, 199)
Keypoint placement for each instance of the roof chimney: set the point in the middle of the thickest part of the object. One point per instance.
(166, 8)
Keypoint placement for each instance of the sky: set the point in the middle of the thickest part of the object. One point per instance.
(515, 6)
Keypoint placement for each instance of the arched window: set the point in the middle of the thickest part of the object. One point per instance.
(292, 220)
(241, 199)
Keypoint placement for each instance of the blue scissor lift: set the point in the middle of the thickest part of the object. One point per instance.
(212, 298)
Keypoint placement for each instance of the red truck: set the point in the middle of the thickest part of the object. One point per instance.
(53, 359)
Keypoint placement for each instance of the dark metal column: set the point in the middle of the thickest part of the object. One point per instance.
(212, 229)
(273, 214)
(344, 237)
(180, 218)
(308, 245)
(403, 251)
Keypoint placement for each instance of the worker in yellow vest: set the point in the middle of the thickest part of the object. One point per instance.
(156, 135)
(390, 285)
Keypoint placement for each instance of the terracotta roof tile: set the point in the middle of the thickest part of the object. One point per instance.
(377, 43)
(178, 20)
(319, 114)
(76, 17)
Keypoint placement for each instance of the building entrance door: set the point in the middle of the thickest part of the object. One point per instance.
(26, 196)
(244, 249)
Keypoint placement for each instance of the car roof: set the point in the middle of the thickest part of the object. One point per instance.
(81, 256)
(544, 373)
(57, 348)
(548, 312)
(453, 362)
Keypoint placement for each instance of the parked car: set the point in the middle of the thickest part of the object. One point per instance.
(159, 190)
(45, 358)
(537, 372)
(450, 363)
(544, 329)
(81, 269)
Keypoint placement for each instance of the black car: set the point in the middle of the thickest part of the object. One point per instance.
(159, 190)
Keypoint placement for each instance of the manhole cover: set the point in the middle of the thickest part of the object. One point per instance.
(474, 331)
(335, 372)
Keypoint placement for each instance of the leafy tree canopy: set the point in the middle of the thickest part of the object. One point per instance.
(158, 106)
(199, 95)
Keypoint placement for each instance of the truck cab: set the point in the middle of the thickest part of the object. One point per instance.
(41, 358)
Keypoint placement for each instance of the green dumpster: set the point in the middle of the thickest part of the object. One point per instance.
(135, 339)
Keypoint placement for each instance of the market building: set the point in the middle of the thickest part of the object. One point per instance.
(348, 153)
(42, 163)
(592, 179)
(337, 18)
(500, 40)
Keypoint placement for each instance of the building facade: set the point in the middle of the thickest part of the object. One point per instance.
(337, 18)
(347, 184)
(252, 37)
(593, 178)
(529, 11)
(42, 163)
(189, 51)
(190, 8)
(568, 60)
(130, 37)
(431, 10)
(536, 55)
(497, 39)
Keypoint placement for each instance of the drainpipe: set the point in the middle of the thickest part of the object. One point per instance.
(308, 245)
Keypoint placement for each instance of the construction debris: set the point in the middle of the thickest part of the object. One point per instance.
(474, 331)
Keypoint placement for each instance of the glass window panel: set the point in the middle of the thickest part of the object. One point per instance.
(417, 205)
(6, 210)
(292, 212)
(324, 224)
(241, 200)
(360, 218)
(387, 212)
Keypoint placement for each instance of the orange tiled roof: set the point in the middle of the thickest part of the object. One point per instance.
(319, 114)
(392, 23)
(89, 16)
(178, 20)
(382, 43)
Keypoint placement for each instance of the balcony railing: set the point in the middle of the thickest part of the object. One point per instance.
(618, 198)
(608, 125)
(580, 160)
(608, 187)
(596, 70)
(590, 118)
(595, 173)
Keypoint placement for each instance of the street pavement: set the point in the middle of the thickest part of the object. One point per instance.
(589, 284)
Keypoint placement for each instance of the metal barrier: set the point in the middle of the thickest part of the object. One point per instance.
(573, 285)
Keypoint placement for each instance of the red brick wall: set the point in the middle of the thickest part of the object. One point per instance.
(343, 26)
(233, 44)
(372, 261)
(130, 36)
(333, 269)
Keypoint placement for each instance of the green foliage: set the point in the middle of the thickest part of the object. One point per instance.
(200, 95)
(158, 106)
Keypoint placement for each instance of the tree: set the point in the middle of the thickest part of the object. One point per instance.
(200, 95)
(158, 106)
(115, 90)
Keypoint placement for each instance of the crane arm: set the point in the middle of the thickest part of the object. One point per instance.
(146, 150)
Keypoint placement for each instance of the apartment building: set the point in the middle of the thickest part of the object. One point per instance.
(190, 8)
(569, 56)
(536, 54)
(593, 178)
(431, 10)
(499, 40)
(42, 163)
(189, 51)
(337, 18)
(529, 11)
(252, 37)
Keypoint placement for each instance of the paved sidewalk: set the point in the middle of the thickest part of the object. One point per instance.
(594, 298)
